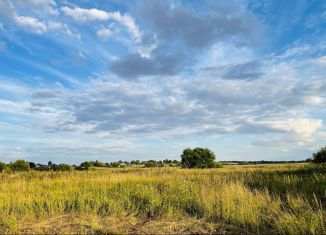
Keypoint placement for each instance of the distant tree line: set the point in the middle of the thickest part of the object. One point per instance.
(260, 162)
(190, 158)
(121, 164)
(22, 165)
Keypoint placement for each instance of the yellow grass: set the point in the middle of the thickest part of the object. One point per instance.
(277, 199)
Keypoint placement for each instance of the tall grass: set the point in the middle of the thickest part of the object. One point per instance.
(278, 199)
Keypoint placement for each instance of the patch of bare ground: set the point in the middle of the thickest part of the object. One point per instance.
(71, 224)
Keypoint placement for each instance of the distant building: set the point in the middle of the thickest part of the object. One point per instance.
(41, 167)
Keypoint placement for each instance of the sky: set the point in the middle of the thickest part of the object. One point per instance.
(125, 80)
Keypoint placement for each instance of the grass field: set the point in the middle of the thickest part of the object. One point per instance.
(276, 199)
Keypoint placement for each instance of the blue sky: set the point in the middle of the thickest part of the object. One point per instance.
(111, 80)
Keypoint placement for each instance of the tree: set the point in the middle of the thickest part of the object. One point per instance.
(198, 158)
(2, 166)
(31, 165)
(115, 164)
(98, 164)
(19, 165)
(63, 167)
(135, 162)
(84, 166)
(153, 163)
(319, 156)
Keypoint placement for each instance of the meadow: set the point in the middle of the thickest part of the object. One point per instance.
(263, 199)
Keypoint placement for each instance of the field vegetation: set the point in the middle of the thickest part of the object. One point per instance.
(275, 199)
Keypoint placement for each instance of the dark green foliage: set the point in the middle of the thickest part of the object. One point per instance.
(84, 166)
(198, 158)
(31, 165)
(19, 165)
(63, 167)
(216, 165)
(98, 164)
(115, 164)
(319, 156)
(135, 162)
(2, 166)
(153, 163)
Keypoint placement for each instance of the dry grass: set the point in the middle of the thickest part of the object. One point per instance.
(273, 199)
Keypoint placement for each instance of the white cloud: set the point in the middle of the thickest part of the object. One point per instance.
(314, 100)
(303, 127)
(10, 11)
(85, 15)
(36, 26)
(128, 22)
(31, 24)
(61, 27)
(321, 61)
(104, 33)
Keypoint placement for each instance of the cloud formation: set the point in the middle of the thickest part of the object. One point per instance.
(181, 30)
(172, 106)
(9, 13)
(134, 65)
(86, 15)
(89, 79)
(197, 29)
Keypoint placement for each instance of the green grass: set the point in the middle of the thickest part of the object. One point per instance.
(276, 199)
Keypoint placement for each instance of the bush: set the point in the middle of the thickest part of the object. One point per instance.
(98, 164)
(115, 164)
(84, 166)
(2, 166)
(319, 156)
(19, 165)
(216, 165)
(198, 158)
(153, 163)
(135, 162)
(63, 167)
(32, 165)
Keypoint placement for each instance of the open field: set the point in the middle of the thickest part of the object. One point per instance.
(277, 199)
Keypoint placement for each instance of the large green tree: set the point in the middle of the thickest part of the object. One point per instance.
(198, 158)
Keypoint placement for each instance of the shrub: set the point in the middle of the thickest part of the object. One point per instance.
(135, 162)
(84, 166)
(216, 165)
(98, 164)
(19, 165)
(198, 158)
(63, 167)
(153, 163)
(115, 164)
(2, 166)
(319, 156)
(32, 165)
